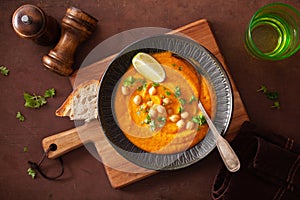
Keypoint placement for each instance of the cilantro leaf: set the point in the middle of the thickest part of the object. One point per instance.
(140, 88)
(4, 71)
(192, 99)
(36, 101)
(276, 105)
(152, 125)
(129, 81)
(31, 173)
(155, 84)
(272, 95)
(262, 89)
(161, 121)
(145, 86)
(177, 92)
(199, 119)
(148, 119)
(182, 101)
(49, 93)
(33, 101)
(180, 110)
(20, 117)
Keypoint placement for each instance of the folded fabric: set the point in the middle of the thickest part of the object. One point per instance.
(270, 168)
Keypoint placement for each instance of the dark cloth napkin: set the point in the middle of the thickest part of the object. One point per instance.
(270, 168)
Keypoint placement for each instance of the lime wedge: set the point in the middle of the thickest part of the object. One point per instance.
(150, 68)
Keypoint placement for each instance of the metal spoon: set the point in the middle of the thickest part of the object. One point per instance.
(228, 156)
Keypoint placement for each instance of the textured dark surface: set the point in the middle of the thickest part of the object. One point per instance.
(84, 176)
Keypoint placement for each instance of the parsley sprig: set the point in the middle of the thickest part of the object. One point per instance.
(36, 101)
(199, 119)
(49, 93)
(129, 81)
(273, 95)
(20, 117)
(31, 173)
(4, 71)
(177, 92)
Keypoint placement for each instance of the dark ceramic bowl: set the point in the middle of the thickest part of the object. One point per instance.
(205, 64)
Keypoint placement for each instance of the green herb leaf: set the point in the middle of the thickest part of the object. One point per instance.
(177, 92)
(180, 110)
(199, 119)
(31, 173)
(140, 88)
(155, 84)
(20, 117)
(49, 93)
(180, 68)
(182, 101)
(4, 71)
(192, 99)
(25, 149)
(161, 119)
(168, 93)
(272, 95)
(129, 81)
(276, 105)
(36, 101)
(148, 119)
(145, 86)
(152, 125)
(262, 89)
(33, 101)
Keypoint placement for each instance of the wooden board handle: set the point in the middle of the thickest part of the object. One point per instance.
(65, 141)
(69, 140)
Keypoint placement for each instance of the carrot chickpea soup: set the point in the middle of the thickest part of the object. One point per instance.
(163, 118)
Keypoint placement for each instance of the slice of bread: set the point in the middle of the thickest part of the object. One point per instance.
(81, 104)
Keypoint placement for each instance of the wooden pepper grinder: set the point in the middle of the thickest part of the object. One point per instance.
(31, 22)
(77, 26)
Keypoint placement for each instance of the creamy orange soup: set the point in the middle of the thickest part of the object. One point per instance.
(163, 117)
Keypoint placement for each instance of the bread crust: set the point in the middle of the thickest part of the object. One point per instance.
(67, 108)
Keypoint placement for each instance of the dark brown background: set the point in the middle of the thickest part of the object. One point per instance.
(84, 176)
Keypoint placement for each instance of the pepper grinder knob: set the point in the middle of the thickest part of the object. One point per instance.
(31, 22)
(77, 26)
(26, 19)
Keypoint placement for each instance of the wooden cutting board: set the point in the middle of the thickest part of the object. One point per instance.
(119, 170)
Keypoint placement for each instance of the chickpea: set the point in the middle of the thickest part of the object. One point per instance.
(174, 118)
(166, 101)
(180, 124)
(125, 90)
(152, 91)
(184, 115)
(190, 125)
(137, 100)
(161, 109)
(149, 103)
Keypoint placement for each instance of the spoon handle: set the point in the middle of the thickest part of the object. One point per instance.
(228, 156)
